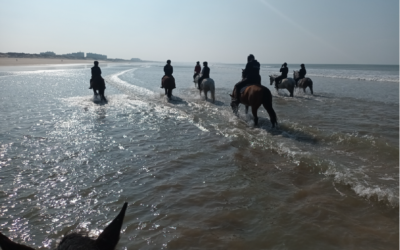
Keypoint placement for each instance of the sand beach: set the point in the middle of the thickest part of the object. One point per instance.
(41, 61)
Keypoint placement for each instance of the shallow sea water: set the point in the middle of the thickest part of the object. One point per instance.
(195, 175)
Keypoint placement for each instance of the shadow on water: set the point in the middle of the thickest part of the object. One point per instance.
(176, 100)
(282, 130)
(97, 100)
(216, 103)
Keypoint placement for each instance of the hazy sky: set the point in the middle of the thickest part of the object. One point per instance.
(275, 31)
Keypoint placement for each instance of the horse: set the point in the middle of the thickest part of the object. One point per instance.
(287, 83)
(168, 83)
(99, 85)
(107, 240)
(254, 96)
(206, 85)
(303, 83)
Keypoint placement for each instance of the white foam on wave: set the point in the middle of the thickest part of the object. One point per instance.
(361, 76)
(365, 189)
(127, 87)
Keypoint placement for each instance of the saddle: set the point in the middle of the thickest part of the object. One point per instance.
(301, 81)
(244, 88)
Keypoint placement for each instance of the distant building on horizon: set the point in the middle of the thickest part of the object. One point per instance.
(96, 56)
(136, 60)
(48, 53)
(75, 55)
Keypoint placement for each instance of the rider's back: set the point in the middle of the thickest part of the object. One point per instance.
(284, 71)
(96, 71)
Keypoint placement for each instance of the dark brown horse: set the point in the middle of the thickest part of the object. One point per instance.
(168, 83)
(303, 83)
(107, 240)
(99, 85)
(255, 96)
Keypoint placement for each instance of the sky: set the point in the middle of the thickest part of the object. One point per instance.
(225, 31)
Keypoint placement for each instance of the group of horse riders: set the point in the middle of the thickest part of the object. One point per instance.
(251, 74)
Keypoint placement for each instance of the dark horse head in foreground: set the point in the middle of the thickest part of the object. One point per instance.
(255, 96)
(107, 240)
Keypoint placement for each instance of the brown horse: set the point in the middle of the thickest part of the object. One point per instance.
(303, 83)
(107, 240)
(255, 96)
(168, 83)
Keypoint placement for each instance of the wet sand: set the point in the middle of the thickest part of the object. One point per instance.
(42, 61)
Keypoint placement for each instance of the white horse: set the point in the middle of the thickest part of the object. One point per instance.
(286, 83)
(206, 85)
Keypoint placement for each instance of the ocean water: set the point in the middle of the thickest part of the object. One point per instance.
(195, 175)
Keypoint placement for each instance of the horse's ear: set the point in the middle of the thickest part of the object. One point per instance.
(7, 244)
(110, 236)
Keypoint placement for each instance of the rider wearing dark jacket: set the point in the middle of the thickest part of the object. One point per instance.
(284, 70)
(251, 76)
(302, 74)
(197, 70)
(168, 70)
(205, 73)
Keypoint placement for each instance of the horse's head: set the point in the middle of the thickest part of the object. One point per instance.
(107, 240)
(271, 79)
(295, 74)
(233, 99)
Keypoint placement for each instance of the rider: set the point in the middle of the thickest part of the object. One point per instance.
(251, 76)
(205, 73)
(284, 69)
(302, 73)
(96, 72)
(168, 70)
(197, 70)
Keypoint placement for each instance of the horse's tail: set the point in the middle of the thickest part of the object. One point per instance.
(267, 103)
(311, 86)
(213, 91)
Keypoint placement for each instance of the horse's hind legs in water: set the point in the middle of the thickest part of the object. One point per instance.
(247, 109)
(254, 111)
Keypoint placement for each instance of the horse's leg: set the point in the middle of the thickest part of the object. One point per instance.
(169, 93)
(205, 93)
(166, 91)
(102, 97)
(94, 91)
(213, 94)
(311, 88)
(247, 109)
(254, 109)
(291, 91)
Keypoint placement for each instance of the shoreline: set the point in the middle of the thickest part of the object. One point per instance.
(45, 61)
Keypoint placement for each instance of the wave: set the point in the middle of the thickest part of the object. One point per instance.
(375, 192)
(375, 78)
